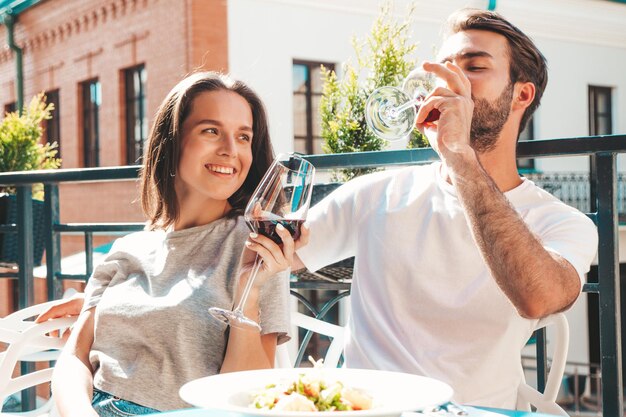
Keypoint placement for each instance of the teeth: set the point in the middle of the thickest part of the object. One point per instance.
(221, 169)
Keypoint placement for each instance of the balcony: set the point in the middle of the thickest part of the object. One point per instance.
(574, 189)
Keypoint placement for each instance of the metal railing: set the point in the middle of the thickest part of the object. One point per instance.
(603, 211)
(573, 188)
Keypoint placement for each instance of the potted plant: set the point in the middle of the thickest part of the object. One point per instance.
(384, 58)
(21, 150)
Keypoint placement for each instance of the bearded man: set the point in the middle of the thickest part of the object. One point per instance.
(456, 261)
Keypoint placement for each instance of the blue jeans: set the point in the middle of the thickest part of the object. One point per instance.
(106, 405)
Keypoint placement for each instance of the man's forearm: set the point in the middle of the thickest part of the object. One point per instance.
(536, 281)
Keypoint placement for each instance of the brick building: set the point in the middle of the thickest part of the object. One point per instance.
(106, 65)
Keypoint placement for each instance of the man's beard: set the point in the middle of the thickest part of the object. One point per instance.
(489, 119)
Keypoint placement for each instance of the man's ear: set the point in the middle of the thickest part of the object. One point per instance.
(524, 94)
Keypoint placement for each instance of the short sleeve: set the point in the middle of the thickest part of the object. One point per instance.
(101, 277)
(333, 227)
(274, 306)
(575, 238)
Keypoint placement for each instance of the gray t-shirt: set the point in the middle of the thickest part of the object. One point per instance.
(153, 332)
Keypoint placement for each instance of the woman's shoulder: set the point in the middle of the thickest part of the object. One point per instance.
(140, 239)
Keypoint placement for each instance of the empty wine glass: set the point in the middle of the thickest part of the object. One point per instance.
(391, 112)
(282, 197)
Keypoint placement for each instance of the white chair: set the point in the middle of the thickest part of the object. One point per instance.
(29, 342)
(333, 354)
(546, 402)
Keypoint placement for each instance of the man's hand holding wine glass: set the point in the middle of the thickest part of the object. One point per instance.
(450, 136)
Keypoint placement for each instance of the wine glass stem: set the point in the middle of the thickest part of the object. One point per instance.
(246, 290)
(407, 105)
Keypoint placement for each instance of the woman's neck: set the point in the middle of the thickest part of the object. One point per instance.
(200, 213)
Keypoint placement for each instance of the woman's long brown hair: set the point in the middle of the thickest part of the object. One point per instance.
(160, 160)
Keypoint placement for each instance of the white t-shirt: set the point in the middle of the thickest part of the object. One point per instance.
(423, 300)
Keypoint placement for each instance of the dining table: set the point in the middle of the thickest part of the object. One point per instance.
(471, 412)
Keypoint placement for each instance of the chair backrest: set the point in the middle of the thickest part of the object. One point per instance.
(29, 342)
(335, 349)
(546, 402)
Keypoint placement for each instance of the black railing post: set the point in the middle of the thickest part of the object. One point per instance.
(609, 284)
(593, 184)
(542, 362)
(53, 241)
(26, 284)
(88, 253)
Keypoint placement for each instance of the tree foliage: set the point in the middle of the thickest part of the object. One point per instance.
(385, 57)
(20, 136)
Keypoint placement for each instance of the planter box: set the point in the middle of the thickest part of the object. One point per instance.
(8, 241)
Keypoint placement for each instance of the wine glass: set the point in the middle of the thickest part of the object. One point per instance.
(282, 197)
(391, 112)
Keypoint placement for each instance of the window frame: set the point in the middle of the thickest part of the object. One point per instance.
(10, 107)
(594, 92)
(90, 112)
(134, 100)
(53, 125)
(309, 139)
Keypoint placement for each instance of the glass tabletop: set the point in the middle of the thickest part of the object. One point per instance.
(472, 412)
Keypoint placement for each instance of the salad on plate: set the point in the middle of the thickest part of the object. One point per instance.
(311, 391)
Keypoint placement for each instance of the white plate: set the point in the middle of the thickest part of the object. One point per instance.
(392, 392)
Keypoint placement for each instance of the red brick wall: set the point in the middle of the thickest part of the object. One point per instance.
(66, 42)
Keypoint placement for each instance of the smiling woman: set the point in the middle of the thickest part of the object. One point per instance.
(215, 156)
(200, 111)
(207, 151)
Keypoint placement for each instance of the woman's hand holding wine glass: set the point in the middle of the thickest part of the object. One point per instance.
(275, 214)
(275, 257)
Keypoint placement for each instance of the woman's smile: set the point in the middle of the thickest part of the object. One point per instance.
(221, 170)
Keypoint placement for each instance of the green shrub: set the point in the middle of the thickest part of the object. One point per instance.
(20, 136)
(385, 57)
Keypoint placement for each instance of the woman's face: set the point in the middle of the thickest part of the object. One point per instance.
(216, 147)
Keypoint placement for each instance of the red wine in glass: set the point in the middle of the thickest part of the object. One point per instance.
(283, 196)
(268, 228)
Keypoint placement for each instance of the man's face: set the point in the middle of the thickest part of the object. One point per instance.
(483, 56)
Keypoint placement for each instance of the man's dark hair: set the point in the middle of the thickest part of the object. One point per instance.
(527, 64)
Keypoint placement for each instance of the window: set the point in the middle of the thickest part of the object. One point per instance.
(91, 101)
(10, 107)
(52, 126)
(600, 114)
(307, 90)
(136, 123)
(527, 164)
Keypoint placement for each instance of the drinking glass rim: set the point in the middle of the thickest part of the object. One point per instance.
(289, 155)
